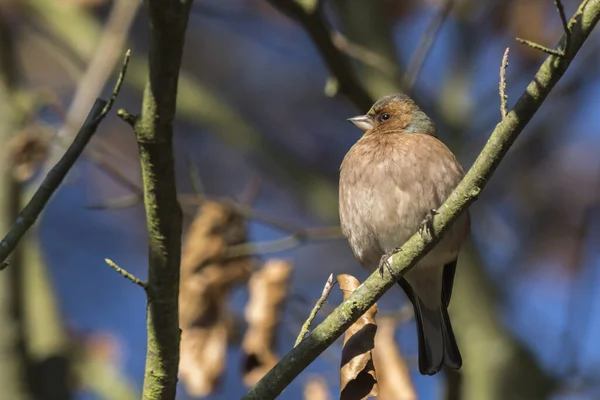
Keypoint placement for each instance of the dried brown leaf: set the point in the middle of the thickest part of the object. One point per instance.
(268, 289)
(26, 152)
(202, 360)
(206, 282)
(316, 389)
(357, 372)
(392, 372)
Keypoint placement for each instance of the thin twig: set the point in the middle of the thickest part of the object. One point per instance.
(285, 243)
(306, 326)
(502, 86)
(426, 42)
(251, 190)
(567, 35)
(56, 175)
(127, 274)
(245, 211)
(565, 24)
(296, 235)
(313, 21)
(126, 116)
(113, 170)
(541, 48)
(362, 54)
(195, 178)
(118, 85)
(53, 179)
(118, 203)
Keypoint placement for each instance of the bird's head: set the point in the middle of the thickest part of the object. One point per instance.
(394, 114)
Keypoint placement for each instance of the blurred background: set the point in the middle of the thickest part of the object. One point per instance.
(260, 133)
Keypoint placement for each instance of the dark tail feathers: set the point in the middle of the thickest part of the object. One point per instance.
(437, 345)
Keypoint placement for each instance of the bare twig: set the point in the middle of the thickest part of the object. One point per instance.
(306, 326)
(127, 117)
(195, 178)
(285, 243)
(127, 274)
(118, 85)
(56, 175)
(246, 211)
(251, 190)
(362, 53)
(567, 35)
(426, 42)
(118, 203)
(502, 87)
(312, 20)
(565, 24)
(541, 48)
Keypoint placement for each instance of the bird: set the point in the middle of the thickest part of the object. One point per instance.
(392, 181)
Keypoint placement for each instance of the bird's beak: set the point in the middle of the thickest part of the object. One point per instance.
(363, 122)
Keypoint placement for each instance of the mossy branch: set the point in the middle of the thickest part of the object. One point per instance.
(154, 133)
(503, 136)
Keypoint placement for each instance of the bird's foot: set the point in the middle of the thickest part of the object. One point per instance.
(385, 264)
(426, 227)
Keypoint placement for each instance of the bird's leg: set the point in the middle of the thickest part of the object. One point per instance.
(426, 227)
(384, 263)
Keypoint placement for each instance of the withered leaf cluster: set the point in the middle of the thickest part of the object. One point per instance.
(206, 282)
(208, 276)
(268, 290)
(207, 279)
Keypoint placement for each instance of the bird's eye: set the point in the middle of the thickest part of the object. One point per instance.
(385, 117)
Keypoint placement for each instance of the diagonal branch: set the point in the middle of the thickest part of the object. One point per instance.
(55, 176)
(308, 13)
(503, 136)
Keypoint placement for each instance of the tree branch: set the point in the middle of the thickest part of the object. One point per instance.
(56, 175)
(154, 133)
(505, 133)
(308, 13)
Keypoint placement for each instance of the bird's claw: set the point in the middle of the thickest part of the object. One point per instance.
(385, 264)
(426, 227)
